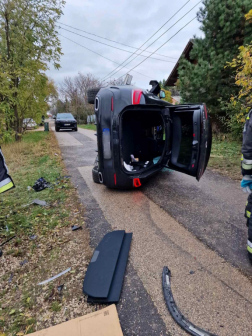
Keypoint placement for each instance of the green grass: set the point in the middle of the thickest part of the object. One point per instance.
(28, 160)
(89, 126)
(226, 157)
(16, 213)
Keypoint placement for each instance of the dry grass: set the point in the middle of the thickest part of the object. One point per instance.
(24, 306)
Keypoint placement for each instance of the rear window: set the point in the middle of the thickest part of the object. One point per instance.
(65, 116)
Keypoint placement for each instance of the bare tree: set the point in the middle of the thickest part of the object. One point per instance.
(74, 90)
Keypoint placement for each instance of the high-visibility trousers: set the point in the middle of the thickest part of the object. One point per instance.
(248, 212)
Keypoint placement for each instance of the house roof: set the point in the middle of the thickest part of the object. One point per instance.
(173, 77)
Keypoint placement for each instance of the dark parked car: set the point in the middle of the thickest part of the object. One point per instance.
(65, 121)
(138, 134)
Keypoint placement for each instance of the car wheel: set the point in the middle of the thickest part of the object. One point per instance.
(95, 173)
(91, 94)
(56, 129)
(76, 129)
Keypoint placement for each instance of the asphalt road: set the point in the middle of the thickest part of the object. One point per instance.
(196, 229)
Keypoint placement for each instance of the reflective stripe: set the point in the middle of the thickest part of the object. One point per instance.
(248, 214)
(248, 118)
(249, 249)
(247, 167)
(249, 244)
(6, 187)
(247, 161)
(4, 182)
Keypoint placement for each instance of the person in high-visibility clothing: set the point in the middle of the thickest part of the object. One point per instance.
(6, 182)
(246, 183)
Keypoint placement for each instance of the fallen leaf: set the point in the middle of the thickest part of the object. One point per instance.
(28, 300)
(12, 312)
(1, 318)
(20, 334)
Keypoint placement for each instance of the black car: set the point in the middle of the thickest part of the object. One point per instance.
(138, 134)
(65, 121)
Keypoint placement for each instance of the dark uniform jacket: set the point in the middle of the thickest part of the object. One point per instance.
(247, 146)
(6, 182)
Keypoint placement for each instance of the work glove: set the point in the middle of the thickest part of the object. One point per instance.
(246, 183)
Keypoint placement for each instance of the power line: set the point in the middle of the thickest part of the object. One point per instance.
(100, 54)
(158, 59)
(147, 40)
(159, 47)
(140, 54)
(104, 38)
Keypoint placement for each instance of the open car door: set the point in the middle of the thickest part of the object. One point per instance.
(191, 139)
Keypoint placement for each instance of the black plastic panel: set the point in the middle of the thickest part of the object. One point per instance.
(117, 282)
(102, 267)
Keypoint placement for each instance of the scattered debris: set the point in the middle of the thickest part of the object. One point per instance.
(192, 272)
(7, 241)
(11, 277)
(104, 322)
(29, 188)
(41, 184)
(39, 202)
(76, 227)
(104, 276)
(22, 263)
(60, 288)
(175, 312)
(33, 237)
(55, 277)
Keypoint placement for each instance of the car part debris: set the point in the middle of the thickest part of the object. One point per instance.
(11, 278)
(33, 237)
(60, 288)
(22, 263)
(55, 277)
(175, 312)
(39, 202)
(104, 277)
(7, 241)
(76, 227)
(41, 184)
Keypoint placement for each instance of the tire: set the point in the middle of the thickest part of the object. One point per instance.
(56, 129)
(95, 174)
(91, 94)
(76, 129)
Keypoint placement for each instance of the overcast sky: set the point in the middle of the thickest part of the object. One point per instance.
(129, 22)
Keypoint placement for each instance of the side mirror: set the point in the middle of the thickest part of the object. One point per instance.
(161, 94)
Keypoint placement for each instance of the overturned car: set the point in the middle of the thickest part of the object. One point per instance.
(138, 134)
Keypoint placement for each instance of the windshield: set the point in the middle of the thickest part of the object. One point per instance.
(65, 116)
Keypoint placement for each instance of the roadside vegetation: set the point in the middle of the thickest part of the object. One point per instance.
(28, 43)
(88, 126)
(44, 244)
(226, 157)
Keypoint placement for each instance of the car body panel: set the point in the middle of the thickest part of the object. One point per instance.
(110, 104)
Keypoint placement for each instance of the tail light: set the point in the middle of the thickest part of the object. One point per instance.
(137, 183)
(112, 104)
(136, 96)
(205, 110)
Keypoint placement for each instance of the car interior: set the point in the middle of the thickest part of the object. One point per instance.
(142, 139)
